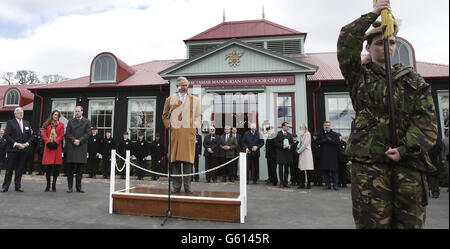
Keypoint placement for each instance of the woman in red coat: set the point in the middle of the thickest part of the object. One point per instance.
(53, 136)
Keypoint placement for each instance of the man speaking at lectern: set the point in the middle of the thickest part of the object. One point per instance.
(182, 114)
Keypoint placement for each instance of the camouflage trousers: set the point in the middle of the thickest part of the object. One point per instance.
(388, 196)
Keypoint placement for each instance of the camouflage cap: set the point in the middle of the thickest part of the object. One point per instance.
(378, 30)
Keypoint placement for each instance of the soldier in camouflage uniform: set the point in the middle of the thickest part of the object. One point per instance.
(389, 185)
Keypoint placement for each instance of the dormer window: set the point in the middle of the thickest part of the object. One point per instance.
(404, 53)
(12, 98)
(104, 69)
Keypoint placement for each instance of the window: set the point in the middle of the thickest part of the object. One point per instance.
(101, 115)
(66, 107)
(403, 53)
(195, 50)
(286, 47)
(2, 125)
(235, 110)
(285, 111)
(104, 69)
(12, 98)
(443, 111)
(339, 111)
(141, 117)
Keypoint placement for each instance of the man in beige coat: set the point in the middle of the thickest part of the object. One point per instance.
(182, 114)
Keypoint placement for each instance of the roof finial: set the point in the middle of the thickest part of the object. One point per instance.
(223, 14)
(263, 14)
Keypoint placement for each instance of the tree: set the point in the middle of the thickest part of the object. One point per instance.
(26, 77)
(53, 78)
(8, 78)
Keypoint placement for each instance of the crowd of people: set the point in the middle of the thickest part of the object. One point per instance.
(302, 160)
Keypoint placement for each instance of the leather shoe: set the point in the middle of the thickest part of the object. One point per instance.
(19, 190)
(189, 192)
(80, 191)
(69, 191)
(4, 190)
(175, 191)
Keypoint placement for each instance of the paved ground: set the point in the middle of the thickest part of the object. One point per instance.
(268, 207)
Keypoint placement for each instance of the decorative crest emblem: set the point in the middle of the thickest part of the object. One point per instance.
(234, 58)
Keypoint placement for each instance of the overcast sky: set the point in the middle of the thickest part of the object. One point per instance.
(62, 37)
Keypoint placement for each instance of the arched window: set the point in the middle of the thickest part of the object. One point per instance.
(104, 69)
(12, 98)
(404, 53)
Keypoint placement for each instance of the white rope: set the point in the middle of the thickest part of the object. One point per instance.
(124, 164)
(163, 174)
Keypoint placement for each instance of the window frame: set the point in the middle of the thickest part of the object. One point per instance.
(440, 94)
(10, 91)
(337, 95)
(292, 123)
(111, 128)
(94, 65)
(153, 99)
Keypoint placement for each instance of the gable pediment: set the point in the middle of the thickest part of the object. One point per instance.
(237, 58)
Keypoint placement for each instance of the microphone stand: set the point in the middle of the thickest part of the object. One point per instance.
(168, 212)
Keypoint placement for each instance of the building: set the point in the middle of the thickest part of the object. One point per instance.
(243, 72)
(11, 97)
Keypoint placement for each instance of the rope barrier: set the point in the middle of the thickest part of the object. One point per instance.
(175, 175)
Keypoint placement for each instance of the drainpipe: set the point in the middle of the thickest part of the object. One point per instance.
(42, 106)
(314, 104)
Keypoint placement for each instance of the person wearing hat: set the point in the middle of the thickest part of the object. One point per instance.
(94, 152)
(107, 145)
(389, 186)
(157, 154)
(123, 146)
(140, 151)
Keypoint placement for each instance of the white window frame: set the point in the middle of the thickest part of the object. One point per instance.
(18, 98)
(149, 98)
(112, 99)
(95, 64)
(327, 117)
(440, 94)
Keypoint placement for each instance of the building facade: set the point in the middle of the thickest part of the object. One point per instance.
(244, 72)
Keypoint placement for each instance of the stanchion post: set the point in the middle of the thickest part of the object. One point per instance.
(127, 171)
(112, 179)
(243, 184)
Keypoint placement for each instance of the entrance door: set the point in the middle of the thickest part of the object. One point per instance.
(235, 110)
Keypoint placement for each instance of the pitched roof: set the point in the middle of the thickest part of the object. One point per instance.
(242, 29)
(146, 74)
(329, 67)
(26, 97)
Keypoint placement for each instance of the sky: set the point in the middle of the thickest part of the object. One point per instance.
(62, 37)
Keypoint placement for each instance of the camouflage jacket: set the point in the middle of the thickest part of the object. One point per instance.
(413, 104)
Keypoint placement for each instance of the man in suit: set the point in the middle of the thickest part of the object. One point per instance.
(77, 135)
(227, 146)
(284, 142)
(236, 151)
(2, 149)
(211, 144)
(198, 154)
(182, 114)
(94, 151)
(18, 139)
(328, 141)
(252, 142)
